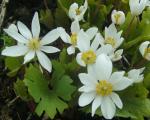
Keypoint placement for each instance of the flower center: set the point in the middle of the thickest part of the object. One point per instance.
(111, 41)
(89, 57)
(34, 44)
(147, 50)
(74, 39)
(104, 88)
(78, 11)
(117, 17)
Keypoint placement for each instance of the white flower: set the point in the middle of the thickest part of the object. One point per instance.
(99, 85)
(145, 50)
(29, 43)
(116, 55)
(73, 38)
(113, 38)
(76, 12)
(90, 51)
(136, 75)
(118, 17)
(137, 6)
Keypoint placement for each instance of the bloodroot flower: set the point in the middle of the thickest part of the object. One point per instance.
(30, 44)
(99, 86)
(76, 12)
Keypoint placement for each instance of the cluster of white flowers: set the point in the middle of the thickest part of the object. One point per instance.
(96, 52)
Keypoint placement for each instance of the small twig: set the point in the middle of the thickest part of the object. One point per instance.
(12, 101)
(45, 4)
(3, 11)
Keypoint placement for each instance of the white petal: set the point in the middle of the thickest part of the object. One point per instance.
(49, 49)
(35, 26)
(86, 98)
(13, 27)
(63, 35)
(91, 71)
(143, 46)
(75, 27)
(117, 55)
(87, 79)
(103, 67)
(24, 30)
(117, 76)
(96, 103)
(136, 75)
(95, 44)
(79, 60)
(100, 38)
(15, 51)
(122, 84)
(50, 37)
(116, 99)
(16, 35)
(72, 10)
(71, 50)
(44, 61)
(104, 49)
(108, 108)
(91, 32)
(87, 89)
(29, 56)
(83, 42)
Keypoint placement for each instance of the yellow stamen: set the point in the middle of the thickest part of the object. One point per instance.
(74, 39)
(147, 51)
(117, 17)
(78, 11)
(34, 44)
(104, 88)
(111, 41)
(89, 57)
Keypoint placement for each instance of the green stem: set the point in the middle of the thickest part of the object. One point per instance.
(135, 41)
(129, 27)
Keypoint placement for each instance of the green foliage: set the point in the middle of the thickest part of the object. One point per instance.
(140, 31)
(136, 104)
(100, 12)
(136, 108)
(49, 99)
(13, 64)
(61, 18)
(8, 41)
(46, 18)
(21, 90)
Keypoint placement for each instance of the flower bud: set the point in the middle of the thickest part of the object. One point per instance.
(118, 17)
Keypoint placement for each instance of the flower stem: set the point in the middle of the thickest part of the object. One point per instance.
(129, 28)
(135, 41)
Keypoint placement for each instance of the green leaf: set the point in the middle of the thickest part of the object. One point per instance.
(63, 57)
(136, 90)
(60, 86)
(46, 18)
(21, 90)
(49, 99)
(7, 40)
(135, 102)
(13, 64)
(141, 31)
(137, 107)
(61, 18)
